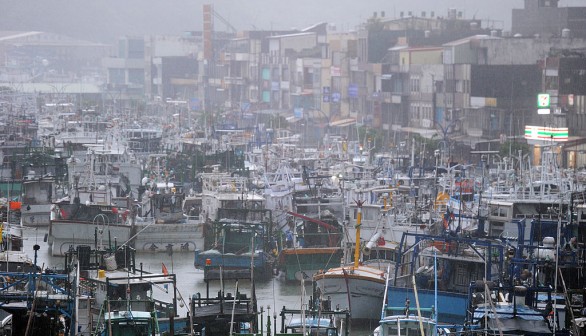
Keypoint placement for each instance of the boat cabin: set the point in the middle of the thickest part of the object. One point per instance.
(314, 326)
(128, 323)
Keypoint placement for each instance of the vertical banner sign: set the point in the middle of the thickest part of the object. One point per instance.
(543, 102)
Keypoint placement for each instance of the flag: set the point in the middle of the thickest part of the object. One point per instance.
(165, 271)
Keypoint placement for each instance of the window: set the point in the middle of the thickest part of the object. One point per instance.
(285, 74)
(461, 276)
(136, 76)
(415, 84)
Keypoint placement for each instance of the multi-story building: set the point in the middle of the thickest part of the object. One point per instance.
(504, 77)
(544, 18)
(33, 56)
(138, 67)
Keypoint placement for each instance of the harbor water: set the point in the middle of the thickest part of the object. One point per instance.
(271, 293)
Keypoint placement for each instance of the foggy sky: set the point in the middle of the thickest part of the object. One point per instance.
(105, 20)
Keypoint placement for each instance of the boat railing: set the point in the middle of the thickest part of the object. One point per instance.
(137, 305)
(240, 300)
(407, 311)
(191, 218)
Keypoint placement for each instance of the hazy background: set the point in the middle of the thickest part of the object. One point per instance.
(104, 20)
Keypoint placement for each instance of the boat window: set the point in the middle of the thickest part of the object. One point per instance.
(316, 331)
(131, 328)
(462, 277)
(409, 328)
(369, 215)
(403, 332)
(499, 211)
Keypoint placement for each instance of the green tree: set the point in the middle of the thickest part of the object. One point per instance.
(511, 148)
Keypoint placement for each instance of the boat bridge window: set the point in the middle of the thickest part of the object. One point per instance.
(131, 328)
(496, 228)
(499, 212)
(462, 276)
(408, 328)
(316, 332)
(377, 254)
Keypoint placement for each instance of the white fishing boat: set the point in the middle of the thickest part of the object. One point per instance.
(97, 211)
(160, 224)
(359, 289)
(356, 287)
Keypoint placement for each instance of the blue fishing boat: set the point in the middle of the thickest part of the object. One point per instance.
(443, 267)
(315, 246)
(238, 230)
(240, 245)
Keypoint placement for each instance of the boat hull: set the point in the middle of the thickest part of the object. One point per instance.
(166, 237)
(451, 306)
(65, 234)
(360, 291)
(305, 262)
(228, 265)
(35, 215)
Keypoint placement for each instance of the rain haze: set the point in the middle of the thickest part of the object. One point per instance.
(105, 20)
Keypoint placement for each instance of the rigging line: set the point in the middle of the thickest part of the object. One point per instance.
(330, 258)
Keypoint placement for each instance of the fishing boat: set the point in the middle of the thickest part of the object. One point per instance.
(450, 261)
(98, 209)
(41, 302)
(315, 191)
(315, 246)
(129, 323)
(38, 195)
(316, 317)
(356, 287)
(497, 310)
(224, 314)
(99, 225)
(124, 300)
(405, 320)
(12, 257)
(160, 224)
(240, 236)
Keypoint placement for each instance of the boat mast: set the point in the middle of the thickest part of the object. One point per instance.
(358, 224)
(418, 308)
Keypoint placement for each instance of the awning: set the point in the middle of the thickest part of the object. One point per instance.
(424, 132)
(293, 119)
(343, 122)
